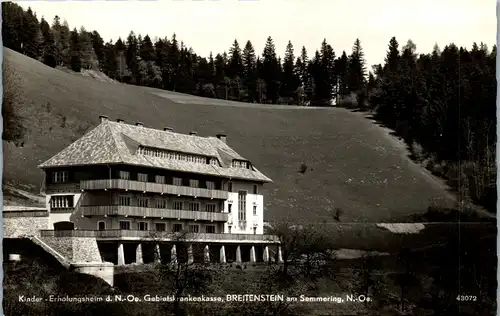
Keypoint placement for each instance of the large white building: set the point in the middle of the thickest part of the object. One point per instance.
(135, 187)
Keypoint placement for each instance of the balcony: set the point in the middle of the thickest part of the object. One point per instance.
(152, 187)
(61, 187)
(120, 210)
(117, 234)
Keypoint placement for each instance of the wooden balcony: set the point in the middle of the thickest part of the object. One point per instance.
(153, 188)
(161, 236)
(120, 210)
(62, 187)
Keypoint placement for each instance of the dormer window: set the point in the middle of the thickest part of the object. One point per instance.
(161, 153)
(240, 164)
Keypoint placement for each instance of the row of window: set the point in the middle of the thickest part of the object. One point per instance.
(154, 152)
(62, 176)
(230, 230)
(125, 200)
(144, 177)
(61, 201)
(144, 226)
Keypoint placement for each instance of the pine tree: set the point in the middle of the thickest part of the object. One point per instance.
(235, 68)
(146, 50)
(131, 56)
(356, 68)
(12, 21)
(109, 65)
(49, 54)
(291, 81)
(250, 73)
(328, 81)
(270, 71)
(98, 46)
(87, 54)
(31, 35)
(341, 70)
(392, 61)
(75, 51)
(64, 45)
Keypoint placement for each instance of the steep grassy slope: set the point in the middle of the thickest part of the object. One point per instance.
(351, 163)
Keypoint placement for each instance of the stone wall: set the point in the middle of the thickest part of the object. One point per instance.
(75, 249)
(15, 227)
(63, 245)
(85, 250)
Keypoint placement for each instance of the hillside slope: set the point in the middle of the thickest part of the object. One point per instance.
(351, 163)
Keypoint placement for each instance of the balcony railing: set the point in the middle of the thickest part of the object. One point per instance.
(62, 187)
(152, 187)
(160, 235)
(152, 212)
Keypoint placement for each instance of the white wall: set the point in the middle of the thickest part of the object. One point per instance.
(251, 200)
(62, 216)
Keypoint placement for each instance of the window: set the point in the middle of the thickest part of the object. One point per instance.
(59, 176)
(143, 202)
(125, 225)
(230, 187)
(177, 228)
(142, 177)
(211, 229)
(177, 205)
(101, 225)
(160, 179)
(161, 203)
(194, 228)
(255, 210)
(142, 225)
(240, 164)
(177, 181)
(242, 204)
(255, 189)
(210, 208)
(124, 175)
(161, 227)
(61, 201)
(124, 200)
(194, 183)
(229, 229)
(255, 230)
(229, 208)
(194, 206)
(210, 185)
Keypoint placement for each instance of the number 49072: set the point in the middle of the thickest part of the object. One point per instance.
(466, 298)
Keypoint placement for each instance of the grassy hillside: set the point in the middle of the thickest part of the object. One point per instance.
(351, 163)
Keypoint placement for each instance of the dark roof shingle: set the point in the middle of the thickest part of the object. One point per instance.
(113, 142)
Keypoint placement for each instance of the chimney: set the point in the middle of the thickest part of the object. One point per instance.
(103, 118)
(139, 124)
(192, 133)
(221, 137)
(119, 120)
(168, 129)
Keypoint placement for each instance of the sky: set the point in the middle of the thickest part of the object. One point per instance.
(213, 25)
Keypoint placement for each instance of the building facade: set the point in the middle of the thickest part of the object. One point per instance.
(124, 183)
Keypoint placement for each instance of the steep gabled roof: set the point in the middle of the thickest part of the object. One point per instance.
(114, 143)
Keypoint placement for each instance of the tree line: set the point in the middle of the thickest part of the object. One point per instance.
(441, 103)
(240, 74)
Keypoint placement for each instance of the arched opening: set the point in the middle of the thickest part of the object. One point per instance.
(64, 226)
(101, 225)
